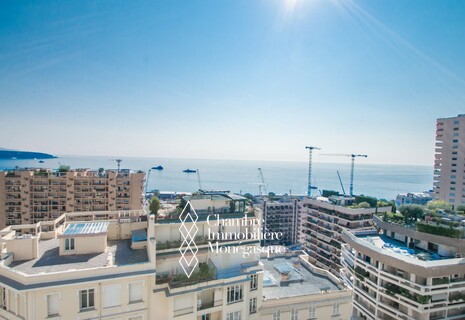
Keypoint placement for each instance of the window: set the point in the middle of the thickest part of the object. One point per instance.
(52, 304)
(456, 134)
(456, 122)
(335, 308)
(451, 194)
(136, 318)
(294, 314)
(454, 153)
(206, 316)
(452, 188)
(277, 315)
(253, 281)
(69, 244)
(234, 294)
(456, 129)
(135, 291)
(111, 295)
(86, 298)
(312, 312)
(236, 315)
(455, 140)
(253, 305)
(433, 247)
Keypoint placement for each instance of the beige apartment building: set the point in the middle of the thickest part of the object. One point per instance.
(401, 273)
(31, 196)
(93, 269)
(449, 162)
(127, 265)
(295, 289)
(325, 221)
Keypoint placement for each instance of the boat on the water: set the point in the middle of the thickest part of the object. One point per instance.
(157, 168)
(41, 161)
(189, 171)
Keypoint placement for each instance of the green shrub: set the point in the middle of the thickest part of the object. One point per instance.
(438, 230)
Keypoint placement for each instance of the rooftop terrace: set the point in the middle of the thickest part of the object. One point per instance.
(395, 246)
(299, 280)
(117, 253)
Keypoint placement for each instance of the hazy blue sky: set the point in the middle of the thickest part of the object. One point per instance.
(237, 79)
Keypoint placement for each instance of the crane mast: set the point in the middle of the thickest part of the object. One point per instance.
(198, 178)
(352, 166)
(310, 187)
(262, 185)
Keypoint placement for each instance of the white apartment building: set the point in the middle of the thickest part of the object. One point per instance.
(449, 163)
(400, 273)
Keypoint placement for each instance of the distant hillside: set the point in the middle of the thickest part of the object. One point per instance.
(9, 154)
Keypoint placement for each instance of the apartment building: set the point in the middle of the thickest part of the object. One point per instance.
(420, 198)
(295, 289)
(449, 163)
(226, 281)
(326, 218)
(91, 269)
(31, 196)
(401, 273)
(281, 215)
(221, 202)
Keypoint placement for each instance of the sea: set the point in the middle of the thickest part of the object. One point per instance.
(383, 181)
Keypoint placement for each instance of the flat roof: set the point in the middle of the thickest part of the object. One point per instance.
(86, 228)
(50, 261)
(398, 247)
(301, 280)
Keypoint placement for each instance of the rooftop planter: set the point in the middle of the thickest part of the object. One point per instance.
(438, 230)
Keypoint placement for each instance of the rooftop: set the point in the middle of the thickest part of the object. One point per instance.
(300, 280)
(398, 247)
(50, 261)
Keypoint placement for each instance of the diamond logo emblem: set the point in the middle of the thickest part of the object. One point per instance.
(188, 248)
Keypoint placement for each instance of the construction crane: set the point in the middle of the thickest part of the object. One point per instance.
(340, 181)
(198, 178)
(262, 185)
(147, 180)
(310, 151)
(352, 156)
(118, 162)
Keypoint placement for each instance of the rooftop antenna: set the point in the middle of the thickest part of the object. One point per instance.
(310, 187)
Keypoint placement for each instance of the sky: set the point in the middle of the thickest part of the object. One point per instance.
(238, 79)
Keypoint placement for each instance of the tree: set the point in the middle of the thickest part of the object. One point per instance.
(364, 205)
(154, 205)
(436, 205)
(371, 200)
(461, 208)
(412, 212)
(232, 207)
(329, 193)
(248, 196)
(63, 168)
